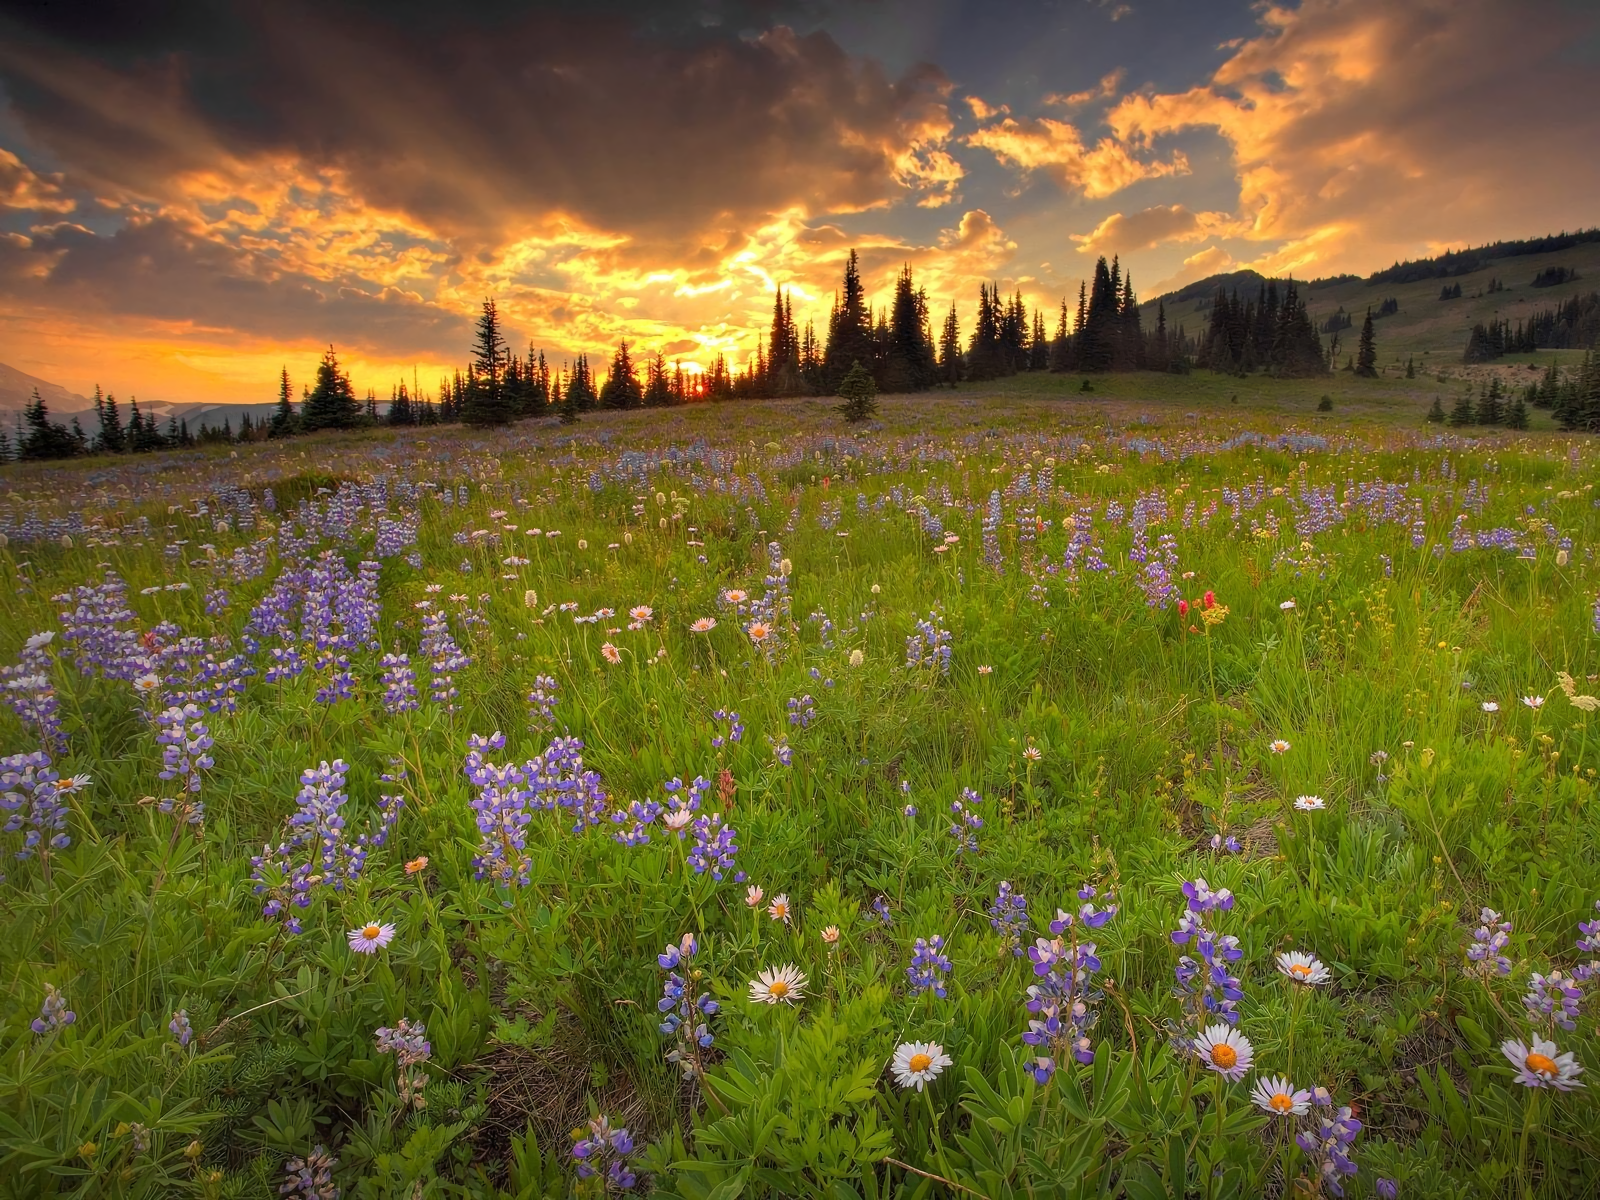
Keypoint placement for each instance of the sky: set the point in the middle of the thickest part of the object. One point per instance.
(194, 195)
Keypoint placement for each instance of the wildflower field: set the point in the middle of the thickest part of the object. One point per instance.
(1049, 799)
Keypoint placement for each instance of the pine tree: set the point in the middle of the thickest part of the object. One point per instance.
(331, 403)
(1517, 413)
(984, 356)
(113, 438)
(580, 386)
(1436, 413)
(950, 364)
(284, 421)
(1490, 410)
(1061, 343)
(657, 387)
(850, 338)
(621, 388)
(43, 438)
(859, 393)
(1097, 339)
(1367, 350)
(1411, 367)
(1461, 414)
(909, 363)
(485, 403)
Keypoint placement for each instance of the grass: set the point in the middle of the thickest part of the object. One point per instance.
(1099, 736)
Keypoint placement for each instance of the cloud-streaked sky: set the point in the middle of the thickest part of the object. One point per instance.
(192, 194)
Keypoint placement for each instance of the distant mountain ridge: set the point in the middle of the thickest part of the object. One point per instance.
(17, 387)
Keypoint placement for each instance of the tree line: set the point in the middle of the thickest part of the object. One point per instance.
(1573, 398)
(1572, 325)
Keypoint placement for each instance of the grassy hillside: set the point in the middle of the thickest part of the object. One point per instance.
(1434, 331)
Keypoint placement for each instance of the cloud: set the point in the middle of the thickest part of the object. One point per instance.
(465, 131)
(21, 188)
(1364, 132)
(1057, 149)
(1150, 227)
(1109, 84)
(1210, 261)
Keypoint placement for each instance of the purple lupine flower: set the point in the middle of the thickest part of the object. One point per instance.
(311, 1177)
(929, 966)
(1062, 1002)
(965, 821)
(185, 745)
(1327, 1144)
(735, 728)
(542, 704)
(53, 1013)
(880, 909)
(604, 1152)
(1554, 999)
(31, 797)
(445, 658)
(683, 1017)
(1008, 916)
(1485, 954)
(929, 646)
(408, 1042)
(30, 692)
(802, 710)
(1207, 981)
(714, 849)
(399, 684)
(318, 853)
(1589, 943)
(180, 1027)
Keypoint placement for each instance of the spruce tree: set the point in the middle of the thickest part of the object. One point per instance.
(1517, 414)
(859, 393)
(1367, 351)
(909, 364)
(284, 420)
(485, 403)
(621, 388)
(1461, 414)
(657, 387)
(1436, 413)
(1060, 344)
(44, 439)
(580, 386)
(950, 364)
(331, 403)
(850, 337)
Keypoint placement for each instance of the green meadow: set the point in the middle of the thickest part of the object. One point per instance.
(1165, 790)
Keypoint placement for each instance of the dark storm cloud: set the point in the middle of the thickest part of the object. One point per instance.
(158, 271)
(627, 116)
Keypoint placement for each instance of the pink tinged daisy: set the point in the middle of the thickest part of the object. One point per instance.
(916, 1064)
(753, 895)
(1287, 606)
(1310, 803)
(1275, 1094)
(371, 937)
(759, 631)
(1541, 1065)
(781, 985)
(1534, 702)
(1279, 746)
(1225, 1050)
(735, 596)
(1303, 968)
(610, 653)
(703, 625)
(641, 612)
(1489, 706)
(779, 909)
(678, 819)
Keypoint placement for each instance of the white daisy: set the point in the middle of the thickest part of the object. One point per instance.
(1542, 1065)
(371, 937)
(1303, 968)
(1534, 702)
(918, 1063)
(1279, 746)
(1225, 1050)
(1275, 1094)
(1489, 706)
(779, 909)
(1310, 803)
(781, 985)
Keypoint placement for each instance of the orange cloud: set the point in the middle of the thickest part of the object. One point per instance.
(1210, 261)
(1108, 86)
(1151, 227)
(21, 188)
(1056, 148)
(1365, 132)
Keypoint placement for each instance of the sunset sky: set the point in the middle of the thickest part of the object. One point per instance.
(192, 195)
